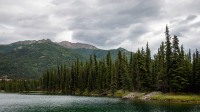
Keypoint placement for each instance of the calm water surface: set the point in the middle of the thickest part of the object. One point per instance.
(54, 103)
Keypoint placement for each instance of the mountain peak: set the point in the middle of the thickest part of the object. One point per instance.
(44, 41)
(26, 42)
(121, 49)
(68, 44)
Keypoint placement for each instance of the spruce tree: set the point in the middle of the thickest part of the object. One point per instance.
(131, 71)
(175, 59)
(162, 69)
(119, 69)
(125, 79)
(113, 85)
(136, 75)
(95, 73)
(108, 70)
(168, 58)
(148, 77)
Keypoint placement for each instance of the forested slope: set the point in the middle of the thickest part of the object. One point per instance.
(28, 59)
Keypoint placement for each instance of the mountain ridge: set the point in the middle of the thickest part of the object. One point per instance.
(29, 59)
(68, 44)
(65, 44)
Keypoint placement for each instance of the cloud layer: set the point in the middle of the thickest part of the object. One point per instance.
(106, 24)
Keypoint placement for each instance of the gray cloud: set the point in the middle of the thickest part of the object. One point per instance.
(107, 23)
(184, 25)
(104, 23)
(191, 17)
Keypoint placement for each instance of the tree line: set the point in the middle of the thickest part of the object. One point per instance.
(19, 85)
(170, 70)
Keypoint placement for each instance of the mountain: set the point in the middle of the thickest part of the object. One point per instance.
(28, 59)
(67, 44)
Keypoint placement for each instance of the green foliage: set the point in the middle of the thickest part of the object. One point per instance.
(168, 53)
(176, 98)
(121, 93)
(15, 85)
(118, 71)
(28, 60)
(87, 77)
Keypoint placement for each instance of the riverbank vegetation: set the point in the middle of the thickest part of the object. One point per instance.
(171, 70)
(177, 97)
(159, 96)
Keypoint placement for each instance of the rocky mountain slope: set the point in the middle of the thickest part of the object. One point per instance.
(68, 44)
(28, 59)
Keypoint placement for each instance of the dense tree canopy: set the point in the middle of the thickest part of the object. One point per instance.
(170, 70)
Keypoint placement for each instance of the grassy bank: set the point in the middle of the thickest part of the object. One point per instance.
(177, 97)
(155, 96)
(158, 96)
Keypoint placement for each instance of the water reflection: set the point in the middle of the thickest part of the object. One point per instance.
(54, 103)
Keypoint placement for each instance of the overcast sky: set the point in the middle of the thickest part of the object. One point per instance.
(106, 24)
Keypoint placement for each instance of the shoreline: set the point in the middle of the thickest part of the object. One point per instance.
(132, 96)
(163, 97)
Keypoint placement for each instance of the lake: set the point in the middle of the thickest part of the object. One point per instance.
(56, 103)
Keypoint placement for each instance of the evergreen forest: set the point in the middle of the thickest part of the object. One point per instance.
(172, 69)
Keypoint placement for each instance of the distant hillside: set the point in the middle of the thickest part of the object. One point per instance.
(28, 59)
(67, 44)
